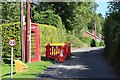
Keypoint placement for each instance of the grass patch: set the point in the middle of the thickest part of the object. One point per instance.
(34, 69)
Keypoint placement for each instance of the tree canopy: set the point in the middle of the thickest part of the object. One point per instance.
(73, 16)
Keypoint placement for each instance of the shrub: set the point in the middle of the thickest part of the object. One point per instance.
(97, 44)
(87, 40)
(93, 43)
(112, 39)
(101, 43)
(51, 34)
(48, 33)
(0, 34)
(75, 42)
(0, 42)
(49, 18)
(9, 31)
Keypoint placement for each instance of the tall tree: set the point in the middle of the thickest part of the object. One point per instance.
(75, 16)
(10, 12)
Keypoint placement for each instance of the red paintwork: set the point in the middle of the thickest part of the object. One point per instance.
(34, 29)
(66, 52)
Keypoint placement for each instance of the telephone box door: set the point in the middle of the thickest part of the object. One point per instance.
(35, 43)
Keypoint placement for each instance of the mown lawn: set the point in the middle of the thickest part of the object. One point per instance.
(34, 69)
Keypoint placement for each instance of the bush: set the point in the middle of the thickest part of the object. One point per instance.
(51, 34)
(0, 34)
(0, 42)
(93, 43)
(49, 18)
(101, 43)
(87, 40)
(75, 42)
(11, 31)
(97, 44)
(112, 39)
(48, 33)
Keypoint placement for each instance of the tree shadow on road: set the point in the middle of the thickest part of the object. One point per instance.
(86, 64)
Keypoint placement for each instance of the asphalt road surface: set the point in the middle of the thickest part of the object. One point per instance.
(84, 63)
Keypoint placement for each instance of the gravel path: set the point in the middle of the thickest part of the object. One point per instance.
(84, 63)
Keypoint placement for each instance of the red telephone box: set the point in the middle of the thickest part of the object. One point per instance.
(35, 43)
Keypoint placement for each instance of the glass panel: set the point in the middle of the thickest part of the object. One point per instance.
(33, 47)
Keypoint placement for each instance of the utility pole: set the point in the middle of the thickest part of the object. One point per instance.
(28, 33)
(22, 31)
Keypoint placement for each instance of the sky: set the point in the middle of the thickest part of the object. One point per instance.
(102, 8)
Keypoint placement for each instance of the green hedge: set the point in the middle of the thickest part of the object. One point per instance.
(112, 39)
(11, 31)
(0, 41)
(92, 43)
(0, 34)
(87, 40)
(51, 34)
(75, 42)
(99, 44)
(47, 34)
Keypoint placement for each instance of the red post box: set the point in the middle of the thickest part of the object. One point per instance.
(35, 43)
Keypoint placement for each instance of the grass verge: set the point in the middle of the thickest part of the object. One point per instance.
(34, 69)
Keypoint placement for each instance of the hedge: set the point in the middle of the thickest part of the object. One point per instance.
(9, 31)
(75, 42)
(0, 41)
(87, 40)
(92, 43)
(112, 39)
(47, 34)
(51, 34)
(0, 34)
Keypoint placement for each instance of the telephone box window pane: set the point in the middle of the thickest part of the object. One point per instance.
(33, 47)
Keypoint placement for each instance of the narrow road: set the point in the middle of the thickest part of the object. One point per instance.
(84, 63)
